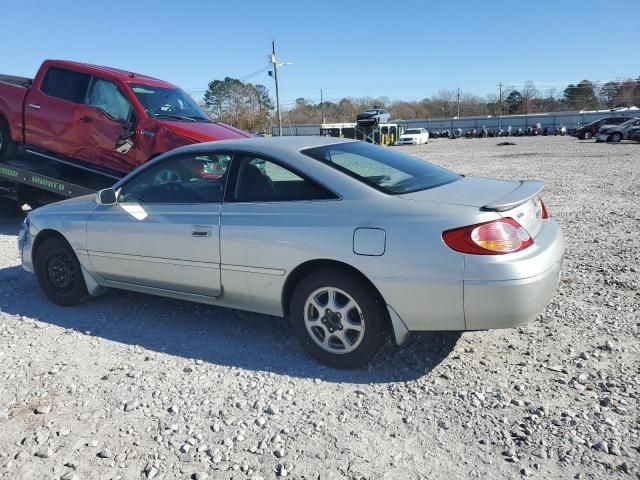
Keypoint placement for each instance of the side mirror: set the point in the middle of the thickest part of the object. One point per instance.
(106, 196)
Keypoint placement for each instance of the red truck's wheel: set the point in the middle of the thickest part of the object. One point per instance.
(7, 145)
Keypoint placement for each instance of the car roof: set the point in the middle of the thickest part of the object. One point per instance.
(125, 75)
(284, 148)
(265, 145)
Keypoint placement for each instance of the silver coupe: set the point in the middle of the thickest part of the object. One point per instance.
(352, 241)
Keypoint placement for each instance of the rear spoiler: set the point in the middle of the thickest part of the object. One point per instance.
(523, 192)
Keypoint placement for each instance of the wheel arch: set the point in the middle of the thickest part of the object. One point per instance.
(93, 286)
(43, 235)
(309, 266)
(393, 324)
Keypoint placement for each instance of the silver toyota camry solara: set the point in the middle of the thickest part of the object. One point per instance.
(352, 241)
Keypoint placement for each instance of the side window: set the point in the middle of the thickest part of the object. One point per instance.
(107, 97)
(185, 179)
(261, 180)
(65, 84)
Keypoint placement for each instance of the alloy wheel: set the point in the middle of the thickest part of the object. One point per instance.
(334, 320)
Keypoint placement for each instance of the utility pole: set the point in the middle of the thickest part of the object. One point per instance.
(458, 102)
(500, 107)
(274, 61)
(322, 107)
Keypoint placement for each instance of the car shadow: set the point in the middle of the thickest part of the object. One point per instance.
(216, 335)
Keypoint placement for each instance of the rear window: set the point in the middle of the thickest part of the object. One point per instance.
(413, 131)
(65, 84)
(384, 169)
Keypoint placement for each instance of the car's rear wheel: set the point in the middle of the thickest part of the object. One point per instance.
(587, 135)
(338, 318)
(59, 273)
(615, 137)
(7, 145)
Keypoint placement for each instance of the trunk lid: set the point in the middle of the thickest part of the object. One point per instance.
(518, 200)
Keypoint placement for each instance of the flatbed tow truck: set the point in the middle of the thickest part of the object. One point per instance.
(33, 178)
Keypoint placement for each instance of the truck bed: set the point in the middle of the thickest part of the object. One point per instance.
(17, 81)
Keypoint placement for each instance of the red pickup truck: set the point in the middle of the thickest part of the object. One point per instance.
(110, 118)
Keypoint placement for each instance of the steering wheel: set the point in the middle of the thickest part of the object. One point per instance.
(179, 191)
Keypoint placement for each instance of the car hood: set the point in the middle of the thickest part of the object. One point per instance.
(468, 191)
(83, 206)
(203, 131)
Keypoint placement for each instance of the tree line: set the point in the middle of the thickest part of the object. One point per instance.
(250, 107)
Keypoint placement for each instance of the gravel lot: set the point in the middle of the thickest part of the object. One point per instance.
(132, 386)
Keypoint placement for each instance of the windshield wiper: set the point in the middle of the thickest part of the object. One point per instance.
(171, 115)
(199, 117)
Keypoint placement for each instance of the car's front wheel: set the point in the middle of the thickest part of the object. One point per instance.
(59, 273)
(338, 318)
(587, 135)
(616, 137)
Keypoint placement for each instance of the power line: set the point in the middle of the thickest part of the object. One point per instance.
(257, 72)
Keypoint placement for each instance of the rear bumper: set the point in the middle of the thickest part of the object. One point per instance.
(520, 289)
(508, 303)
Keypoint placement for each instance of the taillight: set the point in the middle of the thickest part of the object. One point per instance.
(496, 237)
(545, 213)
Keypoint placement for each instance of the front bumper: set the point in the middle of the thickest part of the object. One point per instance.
(25, 243)
(602, 137)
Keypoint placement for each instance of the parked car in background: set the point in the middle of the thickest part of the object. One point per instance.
(406, 237)
(373, 117)
(414, 136)
(112, 119)
(616, 133)
(634, 134)
(588, 131)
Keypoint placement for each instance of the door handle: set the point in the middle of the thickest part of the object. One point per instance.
(34, 105)
(201, 231)
(85, 119)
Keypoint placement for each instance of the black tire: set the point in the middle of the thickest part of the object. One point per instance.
(587, 135)
(374, 317)
(615, 138)
(7, 145)
(59, 273)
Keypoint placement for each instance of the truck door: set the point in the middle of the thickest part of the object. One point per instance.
(107, 127)
(50, 110)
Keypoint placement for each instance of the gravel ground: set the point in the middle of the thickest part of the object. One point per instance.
(132, 386)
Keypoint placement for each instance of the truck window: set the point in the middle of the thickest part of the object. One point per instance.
(107, 97)
(65, 84)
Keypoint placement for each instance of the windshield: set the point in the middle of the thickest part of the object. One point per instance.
(382, 168)
(170, 103)
(629, 122)
(412, 131)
